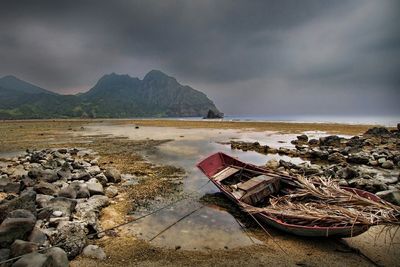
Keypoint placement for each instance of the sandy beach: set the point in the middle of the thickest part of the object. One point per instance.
(161, 155)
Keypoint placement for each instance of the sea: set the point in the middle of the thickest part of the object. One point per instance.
(388, 121)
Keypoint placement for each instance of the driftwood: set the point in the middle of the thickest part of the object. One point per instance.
(321, 202)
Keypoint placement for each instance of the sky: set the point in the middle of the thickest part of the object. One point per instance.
(256, 57)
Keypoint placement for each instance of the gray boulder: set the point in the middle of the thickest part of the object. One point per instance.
(58, 257)
(68, 192)
(392, 196)
(65, 205)
(347, 173)
(46, 188)
(93, 170)
(88, 211)
(94, 252)
(111, 191)
(102, 179)
(20, 247)
(377, 131)
(37, 237)
(388, 164)
(25, 201)
(41, 200)
(95, 188)
(43, 175)
(33, 260)
(336, 157)
(71, 237)
(113, 175)
(81, 175)
(358, 158)
(4, 255)
(17, 225)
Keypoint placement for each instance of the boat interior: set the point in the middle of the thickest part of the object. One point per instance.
(251, 187)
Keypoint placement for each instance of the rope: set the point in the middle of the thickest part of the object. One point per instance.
(176, 222)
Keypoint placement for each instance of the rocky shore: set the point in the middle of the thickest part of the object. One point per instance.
(370, 161)
(50, 201)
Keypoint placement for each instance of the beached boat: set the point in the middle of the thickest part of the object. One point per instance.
(252, 187)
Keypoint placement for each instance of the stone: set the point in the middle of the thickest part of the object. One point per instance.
(287, 164)
(377, 131)
(25, 201)
(81, 189)
(71, 237)
(102, 179)
(20, 247)
(302, 138)
(332, 140)
(358, 158)
(319, 154)
(313, 142)
(93, 170)
(88, 211)
(65, 205)
(392, 196)
(347, 173)
(17, 225)
(27, 182)
(37, 237)
(111, 191)
(12, 187)
(58, 257)
(44, 213)
(81, 175)
(336, 157)
(68, 192)
(343, 182)
(95, 189)
(65, 174)
(46, 188)
(41, 200)
(272, 164)
(57, 213)
(43, 175)
(4, 255)
(94, 252)
(33, 260)
(373, 163)
(381, 160)
(388, 164)
(113, 175)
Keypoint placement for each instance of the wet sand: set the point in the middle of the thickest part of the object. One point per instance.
(212, 236)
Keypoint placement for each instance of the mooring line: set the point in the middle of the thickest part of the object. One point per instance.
(176, 222)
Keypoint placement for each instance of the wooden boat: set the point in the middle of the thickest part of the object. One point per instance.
(224, 170)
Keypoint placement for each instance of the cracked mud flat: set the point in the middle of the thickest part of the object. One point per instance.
(200, 239)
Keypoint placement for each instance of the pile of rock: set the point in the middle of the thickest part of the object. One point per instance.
(369, 162)
(377, 147)
(48, 198)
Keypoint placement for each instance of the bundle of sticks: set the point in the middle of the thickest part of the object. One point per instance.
(320, 201)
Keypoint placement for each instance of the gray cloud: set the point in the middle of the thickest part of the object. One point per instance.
(252, 57)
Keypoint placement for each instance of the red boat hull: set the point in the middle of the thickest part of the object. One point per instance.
(216, 162)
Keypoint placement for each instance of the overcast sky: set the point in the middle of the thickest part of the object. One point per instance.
(250, 57)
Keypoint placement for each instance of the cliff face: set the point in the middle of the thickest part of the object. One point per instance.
(119, 96)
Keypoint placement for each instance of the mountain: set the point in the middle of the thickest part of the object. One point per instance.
(13, 83)
(113, 96)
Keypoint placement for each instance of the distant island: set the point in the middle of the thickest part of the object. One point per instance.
(113, 96)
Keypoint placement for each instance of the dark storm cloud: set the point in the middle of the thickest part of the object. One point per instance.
(335, 53)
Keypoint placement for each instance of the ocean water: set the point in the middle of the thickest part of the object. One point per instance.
(369, 120)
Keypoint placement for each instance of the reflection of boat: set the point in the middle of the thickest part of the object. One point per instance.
(250, 186)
